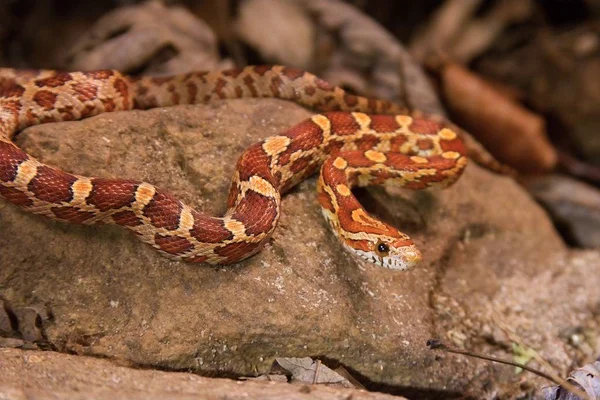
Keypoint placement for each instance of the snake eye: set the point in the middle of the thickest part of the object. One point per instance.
(383, 249)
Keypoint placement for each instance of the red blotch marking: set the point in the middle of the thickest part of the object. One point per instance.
(196, 259)
(172, 244)
(249, 82)
(373, 104)
(66, 112)
(141, 90)
(305, 136)
(237, 251)
(234, 73)
(85, 91)
(192, 91)
(110, 194)
(109, 105)
(350, 99)
(221, 83)
(15, 196)
(366, 143)
(276, 83)
(238, 91)
(201, 76)
(58, 79)
(257, 212)
(425, 126)
(126, 218)
(383, 123)
(310, 90)
(45, 99)
(347, 205)
(397, 142)
(403, 161)
(334, 147)
(163, 210)
(299, 165)
(13, 106)
(262, 69)
(10, 159)
(292, 73)
(146, 102)
(254, 161)
(342, 123)
(325, 201)
(209, 229)
(160, 80)
(332, 175)
(89, 110)
(52, 185)
(9, 88)
(101, 74)
(71, 214)
(324, 85)
(386, 105)
(425, 144)
(454, 145)
(123, 88)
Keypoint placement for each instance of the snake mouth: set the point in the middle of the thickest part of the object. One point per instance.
(411, 257)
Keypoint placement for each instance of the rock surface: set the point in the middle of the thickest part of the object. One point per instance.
(37, 375)
(494, 273)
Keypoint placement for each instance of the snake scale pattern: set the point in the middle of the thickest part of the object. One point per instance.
(355, 140)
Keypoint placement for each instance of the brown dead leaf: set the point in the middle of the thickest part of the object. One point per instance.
(510, 132)
(307, 370)
(587, 378)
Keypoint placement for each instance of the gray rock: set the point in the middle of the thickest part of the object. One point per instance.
(573, 205)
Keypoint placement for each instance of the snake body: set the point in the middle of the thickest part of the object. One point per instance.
(357, 141)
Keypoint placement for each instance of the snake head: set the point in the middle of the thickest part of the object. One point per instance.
(393, 253)
(399, 254)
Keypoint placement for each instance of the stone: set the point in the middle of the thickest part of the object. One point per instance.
(573, 205)
(494, 267)
(36, 375)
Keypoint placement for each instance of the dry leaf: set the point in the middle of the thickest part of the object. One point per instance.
(511, 133)
(587, 378)
(306, 370)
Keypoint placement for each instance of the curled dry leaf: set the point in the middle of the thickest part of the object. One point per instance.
(587, 378)
(307, 370)
(150, 38)
(513, 134)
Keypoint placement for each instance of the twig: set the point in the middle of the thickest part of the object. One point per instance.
(436, 344)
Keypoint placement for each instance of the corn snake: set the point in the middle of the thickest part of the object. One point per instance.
(357, 142)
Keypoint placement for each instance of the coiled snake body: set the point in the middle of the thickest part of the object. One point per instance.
(354, 142)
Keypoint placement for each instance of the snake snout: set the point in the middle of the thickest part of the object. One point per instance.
(411, 257)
